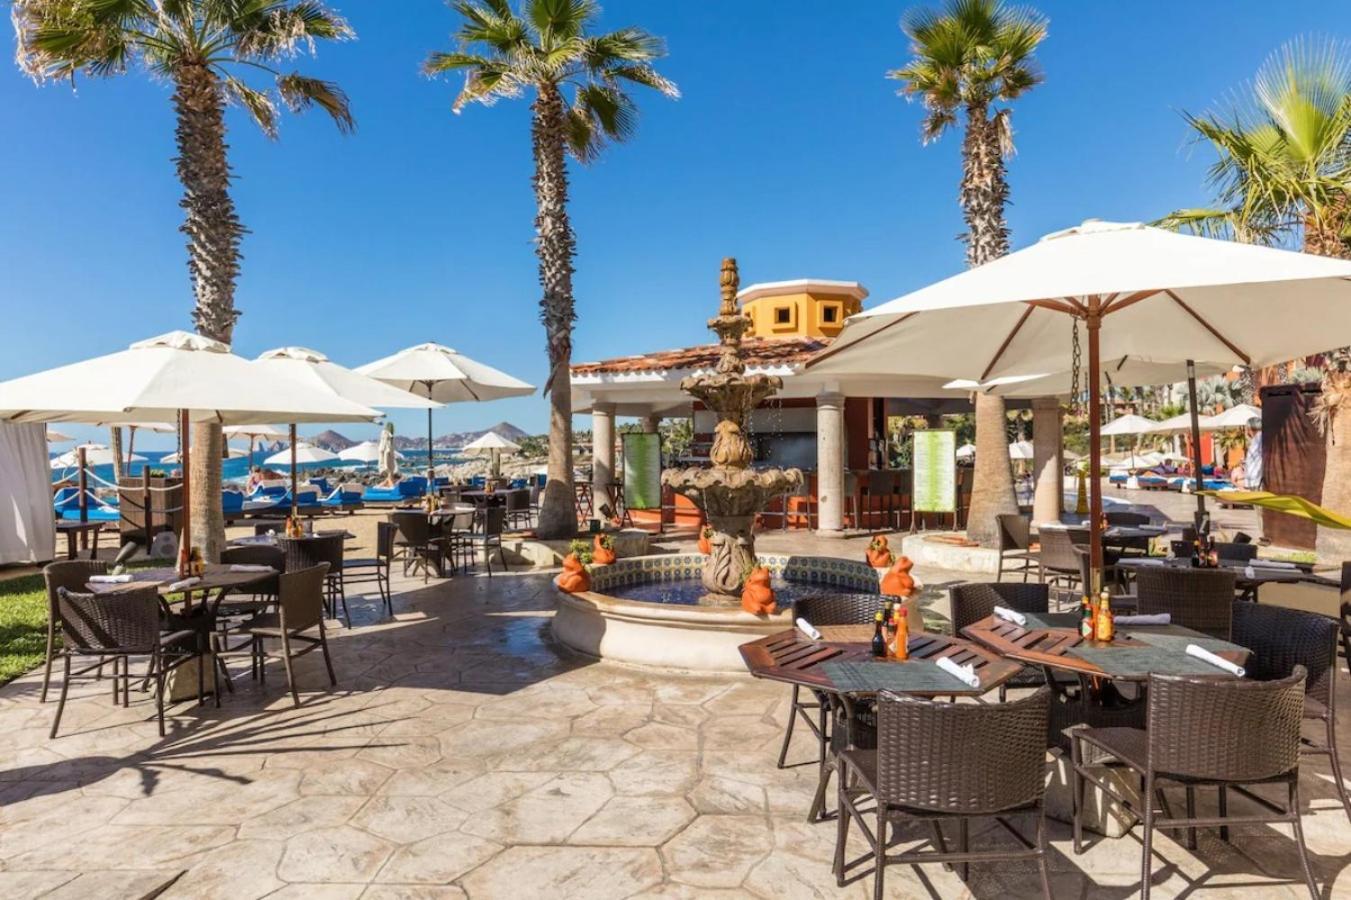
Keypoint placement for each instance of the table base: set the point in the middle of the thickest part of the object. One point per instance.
(1102, 813)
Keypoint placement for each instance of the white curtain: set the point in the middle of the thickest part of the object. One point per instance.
(27, 526)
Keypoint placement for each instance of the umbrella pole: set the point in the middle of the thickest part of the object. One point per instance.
(294, 508)
(185, 462)
(1196, 443)
(431, 475)
(1094, 322)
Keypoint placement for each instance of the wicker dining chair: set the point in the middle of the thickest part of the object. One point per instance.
(1200, 732)
(518, 510)
(1059, 564)
(300, 612)
(488, 537)
(374, 569)
(418, 543)
(1345, 613)
(1281, 639)
(117, 626)
(1236, 552)
(1134, 545)
(826, 609)
(1015, 546)
(974, 601)
(938, 762)
(72, 575)
(1199, 599)
(321, 549)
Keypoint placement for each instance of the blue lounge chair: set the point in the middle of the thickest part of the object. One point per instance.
(343, 497)
(322, 484)
(66, 505)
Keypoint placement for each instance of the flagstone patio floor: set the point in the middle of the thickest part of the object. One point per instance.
(463, 753)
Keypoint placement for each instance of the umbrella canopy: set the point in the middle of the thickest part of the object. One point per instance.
(966, 451)
(230, 453)
(156, 379)
(305, 453)
(57, 437)
(94, 455)
(314, 368)
(1236, 416)
(389, 457)
(439, 373)
(1129, 424)
(254, 432)
(1182, 422)
(365, 452)
(1020, 450)
(490, 440)
(1141, 293)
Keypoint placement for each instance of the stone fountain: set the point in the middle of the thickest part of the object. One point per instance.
(729, 491)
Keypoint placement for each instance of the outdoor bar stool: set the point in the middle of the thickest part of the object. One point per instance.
(1199, 599)
(1015, 546)
(939, 762)
(1202, 732)
(116, 626)
(836, 609)
(72, 575)
(1281, 639)
(375, 569)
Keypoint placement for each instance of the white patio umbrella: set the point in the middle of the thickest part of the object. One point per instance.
(57, 437)
(230, 453)
(174, 377)
(1130, 424)
(94, 455)
(365, 452)
(1183, 422)
(966, 451)
(1141, 293)
(254, 433)
(300, 453)
(493, 444)
(1020, 450)
(1236, 416)
(313, 367)
(441, 374)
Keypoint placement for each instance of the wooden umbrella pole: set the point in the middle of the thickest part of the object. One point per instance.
(1094, 322)
(185, 460)
(294, 505)
(431, 473)
(1196, 442)
(82, 482)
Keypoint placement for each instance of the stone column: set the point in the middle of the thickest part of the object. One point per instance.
(1047, 460)
(602, 453)
(830, 465)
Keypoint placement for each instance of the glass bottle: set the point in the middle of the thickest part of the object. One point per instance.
(1106, 626)
(900, 644)
(1086, 619)
(879, 640)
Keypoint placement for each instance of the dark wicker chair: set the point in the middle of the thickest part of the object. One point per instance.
(975, 601)
(1346, 613)
(72, 575)
(115, 627)
(1126, 518)
(828, 609)
(234, 609)
(1281, 639)
(1059, 564)
(518, 509)
(374, 569)
(1015, 546)
(488, 537)
(300, 610)
(418, 542)
(1199, 599)
(1234, 552)
(321, 549)
(1203, 731)
(1136, 546)
(943, 761)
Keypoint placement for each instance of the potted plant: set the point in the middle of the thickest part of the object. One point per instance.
(878, 554)
(706, 540)
(757, 595)
(574, 578)
(582, 550)
(603, 550)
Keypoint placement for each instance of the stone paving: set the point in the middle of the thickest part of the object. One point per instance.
(464, 754)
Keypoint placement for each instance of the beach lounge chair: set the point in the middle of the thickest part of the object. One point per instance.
(322, 485)
(66, 505)
(232, 504)
(345, 497)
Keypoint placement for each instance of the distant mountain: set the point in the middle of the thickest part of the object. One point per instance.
(331, 441)
(459, 439)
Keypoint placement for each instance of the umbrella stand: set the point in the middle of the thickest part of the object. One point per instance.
(1196, 444)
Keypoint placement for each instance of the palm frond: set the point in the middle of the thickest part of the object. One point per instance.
(271, 30)
(258, 104)
(299, 93)
(492, 24)
(559, 20)
(646, 76)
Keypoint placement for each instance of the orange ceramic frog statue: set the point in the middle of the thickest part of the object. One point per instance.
(879, 555)
(757, 596)
(603, 552)
(574, 577)
(706, 540)
(897, 582)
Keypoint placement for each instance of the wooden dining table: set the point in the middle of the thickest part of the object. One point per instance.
(1249, 583)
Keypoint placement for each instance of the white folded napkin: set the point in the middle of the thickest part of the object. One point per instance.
(1273, 563)
(1217, 661)
(1249, 572)
(808, 629)
(249, 567)
(1148, 619)
(1146, 561)
(109, 579)
(1010, 615)
(965, 674)
(184, 584)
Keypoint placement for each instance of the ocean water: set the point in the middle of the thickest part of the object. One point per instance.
(238, 469)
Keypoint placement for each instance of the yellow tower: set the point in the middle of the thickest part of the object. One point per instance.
(807, 307)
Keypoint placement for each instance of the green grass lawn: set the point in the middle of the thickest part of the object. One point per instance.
(23, 625)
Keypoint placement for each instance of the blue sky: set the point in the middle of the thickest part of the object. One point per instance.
(788, 150)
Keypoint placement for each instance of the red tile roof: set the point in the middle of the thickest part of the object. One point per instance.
(758, 351)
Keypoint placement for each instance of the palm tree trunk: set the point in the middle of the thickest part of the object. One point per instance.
(554, 246)
(214, 233)
(984, 193)
(115, 444)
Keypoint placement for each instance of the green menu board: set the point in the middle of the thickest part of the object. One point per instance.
(935, 467)
(642, 470)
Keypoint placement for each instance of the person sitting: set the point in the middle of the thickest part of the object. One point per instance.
(255, 479)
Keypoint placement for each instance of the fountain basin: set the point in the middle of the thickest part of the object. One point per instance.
(684, 636)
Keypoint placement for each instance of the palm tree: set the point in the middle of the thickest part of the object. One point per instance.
(1283, 176)
(544, 50)
(970, 59)
(203, 48)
